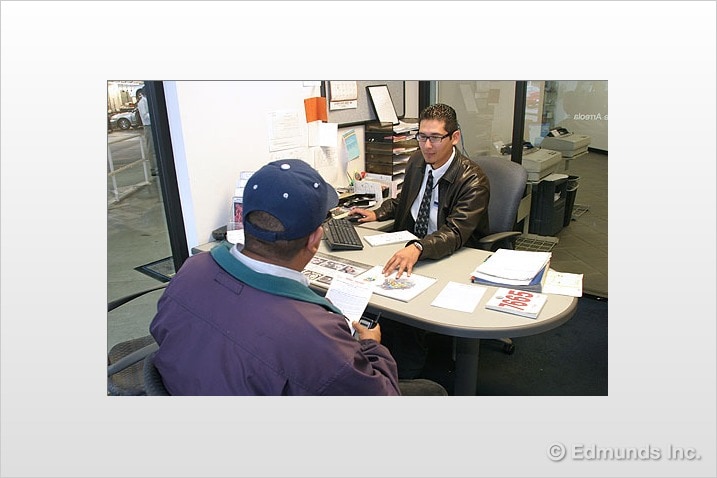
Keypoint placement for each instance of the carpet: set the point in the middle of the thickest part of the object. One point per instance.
(162, 270)
(570, 360)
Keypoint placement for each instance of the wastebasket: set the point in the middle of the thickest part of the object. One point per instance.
(570, 192)
(547, 207)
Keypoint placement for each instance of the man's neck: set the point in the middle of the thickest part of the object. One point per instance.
(294, 264)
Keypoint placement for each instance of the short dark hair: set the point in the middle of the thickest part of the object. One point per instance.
(284, 250)
(441, 112)
(140, 91)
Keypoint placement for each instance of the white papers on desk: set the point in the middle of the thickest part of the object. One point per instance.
(350, 296)
(389, 238)
(458, 296)
(563, 283)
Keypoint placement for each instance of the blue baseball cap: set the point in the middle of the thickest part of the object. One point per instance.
(294, 193)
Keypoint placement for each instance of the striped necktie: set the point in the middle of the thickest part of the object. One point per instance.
(421, 227)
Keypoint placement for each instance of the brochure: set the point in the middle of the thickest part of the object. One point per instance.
(403, 289)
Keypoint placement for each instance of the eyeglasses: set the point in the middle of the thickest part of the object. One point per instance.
(422, 138)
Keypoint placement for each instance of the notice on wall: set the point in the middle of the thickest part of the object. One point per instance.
(285, 130)
(324, 157)
(323, 134)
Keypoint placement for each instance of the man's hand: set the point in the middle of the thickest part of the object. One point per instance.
(366, 333)
(403, 260)
(368, 215)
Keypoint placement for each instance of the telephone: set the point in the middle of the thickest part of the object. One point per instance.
(507, 149)
(559, 131)
(358, 200)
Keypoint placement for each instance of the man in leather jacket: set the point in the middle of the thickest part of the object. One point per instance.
(458, 214)
(459, 211)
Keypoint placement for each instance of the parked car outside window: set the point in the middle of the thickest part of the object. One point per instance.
(125, 120)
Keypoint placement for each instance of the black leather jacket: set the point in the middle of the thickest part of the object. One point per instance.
(463, 195)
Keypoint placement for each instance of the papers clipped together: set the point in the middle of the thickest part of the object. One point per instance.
(510, 267)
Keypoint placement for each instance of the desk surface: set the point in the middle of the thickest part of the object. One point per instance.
(468, 328)
(482, 323)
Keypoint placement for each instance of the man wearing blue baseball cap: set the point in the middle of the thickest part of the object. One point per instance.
(243, 321)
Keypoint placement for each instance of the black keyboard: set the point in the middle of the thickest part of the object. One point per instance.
(341, 235)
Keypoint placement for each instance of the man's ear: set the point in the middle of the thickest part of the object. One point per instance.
(456, 137)
(315, 239)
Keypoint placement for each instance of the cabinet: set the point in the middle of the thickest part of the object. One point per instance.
(387, 153)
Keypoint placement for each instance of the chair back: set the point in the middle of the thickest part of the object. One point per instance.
(507, 187)
(125, 360)
(153, 384)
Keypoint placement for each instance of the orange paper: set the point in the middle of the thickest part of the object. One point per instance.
(315, 109)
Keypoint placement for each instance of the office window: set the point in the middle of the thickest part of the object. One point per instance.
(484, 109)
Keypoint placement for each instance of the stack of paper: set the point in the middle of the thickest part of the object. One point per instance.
(526, 270)
(403, 127)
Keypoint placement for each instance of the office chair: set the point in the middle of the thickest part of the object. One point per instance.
(507, 181)
(125, 361)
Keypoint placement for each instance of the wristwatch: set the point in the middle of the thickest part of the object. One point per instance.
(416, 243)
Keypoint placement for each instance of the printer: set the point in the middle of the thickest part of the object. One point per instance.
(538, 162)
(541, 162)
(569, 144)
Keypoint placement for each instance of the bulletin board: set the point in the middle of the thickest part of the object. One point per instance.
(364, 111)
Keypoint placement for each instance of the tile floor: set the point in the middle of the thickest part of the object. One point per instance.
(137, 235)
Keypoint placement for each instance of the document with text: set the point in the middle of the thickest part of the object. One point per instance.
(563, 283)
(350, 296)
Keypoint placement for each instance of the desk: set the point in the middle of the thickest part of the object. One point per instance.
(467, 328)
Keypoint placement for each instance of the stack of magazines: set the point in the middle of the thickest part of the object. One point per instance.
(524, 270)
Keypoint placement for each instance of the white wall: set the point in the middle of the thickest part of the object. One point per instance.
(220, 128)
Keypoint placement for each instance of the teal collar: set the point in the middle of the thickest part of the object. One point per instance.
(265, 282)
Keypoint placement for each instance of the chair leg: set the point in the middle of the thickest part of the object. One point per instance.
(508, 345)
